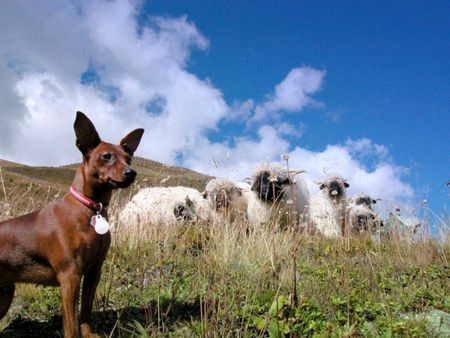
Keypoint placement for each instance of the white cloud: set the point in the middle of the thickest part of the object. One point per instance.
(237, 161)
(47, 52)
(139, 79)
(289, 129)
(293, 93)
(383, 181)
(366, 148)
(241, 110)
(335, 115)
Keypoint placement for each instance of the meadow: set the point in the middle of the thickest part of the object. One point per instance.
(224, 280)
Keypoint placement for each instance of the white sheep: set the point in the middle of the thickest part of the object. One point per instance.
(163, 205)
(360, 216)
(360, 219)
(226, 199)
(327, 208)
(258, 212)
(362, 199)
(276, 196)
(403, 227)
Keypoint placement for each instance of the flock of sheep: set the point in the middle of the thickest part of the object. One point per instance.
(273, 195)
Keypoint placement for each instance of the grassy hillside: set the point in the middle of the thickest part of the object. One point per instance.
(226, 280)
(43, 184)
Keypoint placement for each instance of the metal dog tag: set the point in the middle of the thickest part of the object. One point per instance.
(100, 224)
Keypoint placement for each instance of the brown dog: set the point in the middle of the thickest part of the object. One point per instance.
(57, 245)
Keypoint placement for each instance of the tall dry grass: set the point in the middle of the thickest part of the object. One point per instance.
(226, 280)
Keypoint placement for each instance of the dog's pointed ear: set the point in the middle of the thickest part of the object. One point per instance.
(87, 136)
(131, 141)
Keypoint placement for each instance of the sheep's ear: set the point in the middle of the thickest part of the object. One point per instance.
(248, 180)
(287, 181)
(321, 186)
(256, 186)
(188, 201)
(130, 142)
(204, 194)
(374, 201)
(87, 136)
(346, 184)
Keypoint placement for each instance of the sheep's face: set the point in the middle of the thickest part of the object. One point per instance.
(365, 200)
(270, 188)
(362, 222)
(185, 210)
(335, 188)
(222, 199)
(366, 221)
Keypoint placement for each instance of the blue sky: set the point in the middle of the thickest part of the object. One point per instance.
(357, 88)
(387, 69)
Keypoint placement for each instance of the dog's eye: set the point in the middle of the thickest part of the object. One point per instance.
(106, 157)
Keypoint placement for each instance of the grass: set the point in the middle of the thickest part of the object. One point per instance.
(222, 280)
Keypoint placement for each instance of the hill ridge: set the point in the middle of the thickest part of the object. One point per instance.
(20, 180)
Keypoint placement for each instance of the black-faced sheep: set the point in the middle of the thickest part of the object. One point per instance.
(277, 195)
(362, 199)
(327, 209)
(360, 217)
(226, 198)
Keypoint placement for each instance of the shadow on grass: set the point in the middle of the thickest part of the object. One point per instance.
(110, 322)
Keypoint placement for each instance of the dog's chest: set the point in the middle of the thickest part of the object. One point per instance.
(92, 249)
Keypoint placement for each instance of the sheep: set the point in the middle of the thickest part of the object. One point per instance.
(327, 208)
(226, 199)
(164, 205)
(408, 228)
(362, 199)
(275, 195)
(360, 216)
(258, 212)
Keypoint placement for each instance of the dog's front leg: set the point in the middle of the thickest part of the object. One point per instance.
(90, 282)
(70, 290)
(6, 297)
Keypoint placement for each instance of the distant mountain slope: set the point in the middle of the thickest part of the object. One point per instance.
(29, 187)
(5, 163)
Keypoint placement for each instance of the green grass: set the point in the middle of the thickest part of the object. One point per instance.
(222, 280)
(219, 281)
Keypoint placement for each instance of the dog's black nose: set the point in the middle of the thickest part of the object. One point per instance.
(129, 173)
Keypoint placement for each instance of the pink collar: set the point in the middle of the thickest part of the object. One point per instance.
(97, 207)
